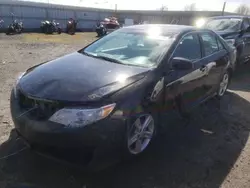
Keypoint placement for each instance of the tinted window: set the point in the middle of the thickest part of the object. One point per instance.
(210, 44)
(189, 48)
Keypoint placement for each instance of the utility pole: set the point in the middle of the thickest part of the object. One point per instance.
(223, 9)
(115, 10)
(162, 11)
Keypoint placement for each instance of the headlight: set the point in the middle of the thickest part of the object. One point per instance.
(77, 117)
(230, 42)
(20, 75)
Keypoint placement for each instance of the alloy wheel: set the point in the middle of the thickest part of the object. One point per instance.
(140, 134)
(223, 84)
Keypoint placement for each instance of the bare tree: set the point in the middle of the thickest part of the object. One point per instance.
(163, 8)
(190, 7)
(243, 9)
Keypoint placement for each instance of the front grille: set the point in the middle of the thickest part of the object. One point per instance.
(38, 109)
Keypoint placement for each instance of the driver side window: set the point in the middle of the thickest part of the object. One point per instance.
(189, 47)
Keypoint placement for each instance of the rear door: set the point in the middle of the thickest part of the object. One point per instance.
(215, 59)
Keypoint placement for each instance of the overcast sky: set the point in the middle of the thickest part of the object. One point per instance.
(215, 5)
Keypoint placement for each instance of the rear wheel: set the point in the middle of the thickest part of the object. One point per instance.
(71, 31)
(59, 31)
(223, 85)
(49, 29)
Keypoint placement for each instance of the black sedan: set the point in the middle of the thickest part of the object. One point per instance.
(115, 91)
(235, 30)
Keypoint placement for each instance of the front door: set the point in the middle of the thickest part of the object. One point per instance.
(185, 87)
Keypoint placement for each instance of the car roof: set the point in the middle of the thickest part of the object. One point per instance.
(229, 16)
(165, 28)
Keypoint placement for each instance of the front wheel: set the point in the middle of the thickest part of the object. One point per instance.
(49, 29)
(8, 31)
(141, 131)
(223, 85)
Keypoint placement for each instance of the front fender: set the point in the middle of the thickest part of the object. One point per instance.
(139, 96)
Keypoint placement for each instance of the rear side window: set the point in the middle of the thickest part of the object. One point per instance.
(209, 43)
(189, 48)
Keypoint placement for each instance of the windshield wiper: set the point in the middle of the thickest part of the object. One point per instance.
(87, 54)
(108, 59)
(103, 57)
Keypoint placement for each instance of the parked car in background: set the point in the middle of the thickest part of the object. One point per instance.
(115, 91)
(49, 27)
(235, 30)
(16, 27)
(71, 26)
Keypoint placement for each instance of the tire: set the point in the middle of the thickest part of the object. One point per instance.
(46, 30)
(8, 31)
(223, 85)
(59, 31)
(49, 30)
(19, 30)
(131, 138)
(71, 31)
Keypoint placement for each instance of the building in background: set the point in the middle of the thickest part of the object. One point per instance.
(32, 13)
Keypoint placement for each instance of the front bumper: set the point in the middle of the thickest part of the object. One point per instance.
(105, 133)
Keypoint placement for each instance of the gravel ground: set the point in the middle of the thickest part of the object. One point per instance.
(211, 151)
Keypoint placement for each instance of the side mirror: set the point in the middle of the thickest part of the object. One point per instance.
(247, 30)
(180, 63)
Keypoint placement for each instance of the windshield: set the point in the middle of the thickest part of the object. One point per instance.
(224, 24)
(130, 48)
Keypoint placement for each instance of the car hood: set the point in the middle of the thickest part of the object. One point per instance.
(77, 77)
(227, 34)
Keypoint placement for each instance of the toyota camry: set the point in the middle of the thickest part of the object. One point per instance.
(115, 91)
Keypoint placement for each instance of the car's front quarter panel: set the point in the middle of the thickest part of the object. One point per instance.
(140, 94)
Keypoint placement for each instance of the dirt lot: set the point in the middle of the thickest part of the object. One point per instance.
(213, 150)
